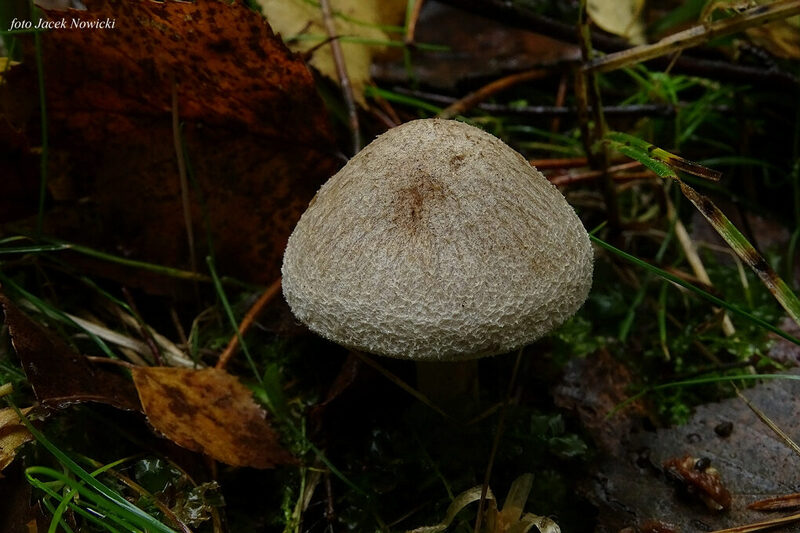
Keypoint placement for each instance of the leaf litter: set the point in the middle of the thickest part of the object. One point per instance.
(724, 443)
(58, 375)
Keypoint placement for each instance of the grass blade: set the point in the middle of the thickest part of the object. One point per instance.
(698, 291)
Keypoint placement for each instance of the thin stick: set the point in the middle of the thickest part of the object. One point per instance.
(266, 297)
(471, 100)
(565, 179)
(758, 526)
(187, 214)
(760, 14)
(107, 361)
(587, 92)
(568, 162)
(411, 27)
(148, 337)
(496, 444)
(341, 72)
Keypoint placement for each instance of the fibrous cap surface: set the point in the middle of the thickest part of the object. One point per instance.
(437, 242)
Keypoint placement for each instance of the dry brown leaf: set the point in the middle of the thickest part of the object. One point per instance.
(13, 434)
(211, 412)
(59, 376)
(300, 24)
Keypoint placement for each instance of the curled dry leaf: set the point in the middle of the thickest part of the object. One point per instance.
(211, 412)
(58, 375)
(700, 479)
(13, 434)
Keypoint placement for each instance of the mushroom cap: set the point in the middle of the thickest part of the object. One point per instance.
(437, 242)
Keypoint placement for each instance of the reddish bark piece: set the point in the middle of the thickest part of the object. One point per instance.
(228, 65)
(211, 412)
(58, 375)
(257, 137)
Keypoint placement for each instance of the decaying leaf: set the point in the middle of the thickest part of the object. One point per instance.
(300, 23)
(58, 375)
(630, 487)
(211, 412)
(255, 135)
(620, 17)
(700, 479)
(13, 434)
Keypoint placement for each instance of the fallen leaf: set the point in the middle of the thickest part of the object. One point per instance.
(300, 23)
(258, 141)
(620, 17)
(211, 412)
(59, 376)
(13, 434)
(700, 479)
(631, 488)
(16, 513)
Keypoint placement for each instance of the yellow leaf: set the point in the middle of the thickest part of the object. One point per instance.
(12, 435)
(620, 17)
(300, 24)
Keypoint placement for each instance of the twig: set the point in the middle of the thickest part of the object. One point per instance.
(588, 95)
(411, 23)
(109, 361)
(566, 179)
(569, 162)
(510, 14)
(755, 16)
(187, 213)
(148, 338)
(471, 100)
(496, 444)
(758, 526)
(561, 95)
(665, 110)
(341, 72)
(248, 320)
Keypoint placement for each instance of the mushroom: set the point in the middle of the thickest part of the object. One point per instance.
(437, 242)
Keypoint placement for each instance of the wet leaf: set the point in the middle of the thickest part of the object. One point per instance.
(359, 24)
(209, 411)
(58, 375)
(12, 435)
(630, 487)
(254, 134)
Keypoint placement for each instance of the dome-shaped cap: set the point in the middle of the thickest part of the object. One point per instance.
(437, 242)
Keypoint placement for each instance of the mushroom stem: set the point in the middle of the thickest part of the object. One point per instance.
(447, 384)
